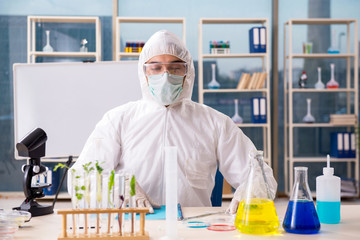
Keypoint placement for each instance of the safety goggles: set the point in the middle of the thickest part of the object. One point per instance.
(174, 68)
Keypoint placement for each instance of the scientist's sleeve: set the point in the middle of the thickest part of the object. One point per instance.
(233, 156)
(103, 145)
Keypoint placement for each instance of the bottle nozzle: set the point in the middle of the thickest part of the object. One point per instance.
(328, 170)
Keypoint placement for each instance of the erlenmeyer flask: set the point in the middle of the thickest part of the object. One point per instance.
(301, 216)
(332, 83)
(256, 213)
(213, 84)
(319, 84)
(47, 47)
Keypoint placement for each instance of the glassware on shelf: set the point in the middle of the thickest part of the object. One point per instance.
(319, 84)
(303, 80)
(301, 216)
(236, 118)
(83, 48)
(48, 47)
(256, 213)
(213, 84)
(333, 48)
(332, 83)
(308, 117)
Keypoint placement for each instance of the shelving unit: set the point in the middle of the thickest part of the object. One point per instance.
(32, 53)
(351, 89)
(121, 54)
(265, 92)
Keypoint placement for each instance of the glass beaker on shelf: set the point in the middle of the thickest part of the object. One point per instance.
(308, 117)
(301, 216)
(256, 213)
(213, 84)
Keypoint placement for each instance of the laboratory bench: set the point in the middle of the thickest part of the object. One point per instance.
(49, 226)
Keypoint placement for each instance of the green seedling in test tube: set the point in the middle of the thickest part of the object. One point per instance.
(98, 180)
(87, 170)
(132, 186)
(111, 186)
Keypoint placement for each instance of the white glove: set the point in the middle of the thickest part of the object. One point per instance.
(141, 198)
(238, 196)
(258, 190)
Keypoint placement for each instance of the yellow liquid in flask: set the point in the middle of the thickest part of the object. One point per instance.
(257, 216)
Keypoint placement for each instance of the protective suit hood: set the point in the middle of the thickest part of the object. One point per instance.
(166, 43)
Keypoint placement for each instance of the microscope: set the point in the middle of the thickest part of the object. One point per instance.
(33, 146)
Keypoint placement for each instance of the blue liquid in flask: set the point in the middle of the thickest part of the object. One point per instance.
(301, 218)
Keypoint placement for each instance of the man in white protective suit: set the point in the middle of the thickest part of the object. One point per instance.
(135, 134)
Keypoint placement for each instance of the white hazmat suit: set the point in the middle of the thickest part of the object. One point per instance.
(135, 134)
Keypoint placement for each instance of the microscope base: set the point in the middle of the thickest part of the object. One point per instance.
(35, 208)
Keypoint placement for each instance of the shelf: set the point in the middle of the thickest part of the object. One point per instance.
(313, 125)
(321, 55)
(236, 55)
(32, 39)
(62, 195)
(149, 20)
(128, 54)
(230, 90)
(63, 54)
(326, 90)
(320, 21)
(321, 159)
(232, 20)
(59, 19)
(252, 124)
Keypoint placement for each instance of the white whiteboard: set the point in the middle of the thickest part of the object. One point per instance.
(66, 100)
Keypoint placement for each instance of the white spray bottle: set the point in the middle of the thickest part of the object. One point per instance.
(328, 189)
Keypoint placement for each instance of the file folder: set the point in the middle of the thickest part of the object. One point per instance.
(262, 110)
(255, 110)
(257, 40)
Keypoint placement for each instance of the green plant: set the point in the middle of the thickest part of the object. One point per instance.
(111, 185)
(132, 186)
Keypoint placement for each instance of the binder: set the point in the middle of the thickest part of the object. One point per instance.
(255, 110)
(254, 38)
(263, 39)
(352, 145)
(337, 146)
(262, 110)
(257, 40)
(346, 140)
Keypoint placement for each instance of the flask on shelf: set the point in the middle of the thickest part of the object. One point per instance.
(256, 213)
(303, 80)
(301, 216)
(83, 48)
(47, 47)
(332, 83)
(333, 49)
(236, 118)
(213, 84)
(328, 188)
(308, 117)
(319, 84)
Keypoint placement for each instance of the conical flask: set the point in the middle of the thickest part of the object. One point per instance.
(256, 213)
(213, 84)
(301, 216)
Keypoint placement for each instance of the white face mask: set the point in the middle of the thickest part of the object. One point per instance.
(166, 88)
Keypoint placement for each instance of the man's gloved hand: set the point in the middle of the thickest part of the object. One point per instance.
(141, 198)
(238, 196)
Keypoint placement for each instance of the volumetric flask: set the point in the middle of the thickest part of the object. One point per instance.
(301, 216)
(256, 213)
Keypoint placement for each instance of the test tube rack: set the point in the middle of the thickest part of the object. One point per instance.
(121, 234)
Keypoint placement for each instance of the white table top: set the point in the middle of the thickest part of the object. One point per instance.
(49, 226)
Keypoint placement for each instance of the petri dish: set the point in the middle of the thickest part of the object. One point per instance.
(221, 227)
(17, 217)
(196, 224)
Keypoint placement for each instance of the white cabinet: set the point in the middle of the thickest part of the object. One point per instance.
(295, 96)
(33, 53)
(264, 91)
(120, 53)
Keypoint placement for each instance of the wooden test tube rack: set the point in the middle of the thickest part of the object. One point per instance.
(141, 235)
